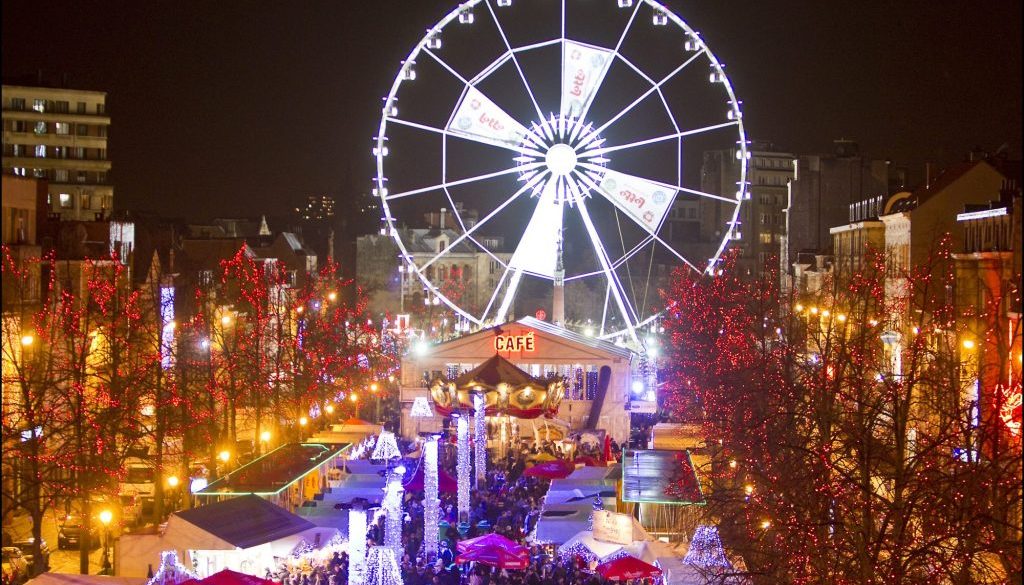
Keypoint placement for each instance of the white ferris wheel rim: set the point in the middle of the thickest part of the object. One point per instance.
(632, 321)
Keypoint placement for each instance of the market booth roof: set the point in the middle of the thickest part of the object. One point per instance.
(76, 579)
(657, 476)
(241, 522)
(275, 471)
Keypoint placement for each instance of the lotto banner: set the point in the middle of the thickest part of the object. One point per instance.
(480, 118)
(582, 73)
(644, 201)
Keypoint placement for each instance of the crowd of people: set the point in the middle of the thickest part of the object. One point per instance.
(508, 503)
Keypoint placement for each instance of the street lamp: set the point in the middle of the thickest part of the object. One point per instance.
(27, 339)
(105, 517)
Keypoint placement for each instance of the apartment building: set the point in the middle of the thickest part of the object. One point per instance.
(761, 225)
(60, 135)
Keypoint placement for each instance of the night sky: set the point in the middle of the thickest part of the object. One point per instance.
(237, 108)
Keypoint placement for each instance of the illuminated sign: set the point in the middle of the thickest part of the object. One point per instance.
(515, 343)
(613, 527)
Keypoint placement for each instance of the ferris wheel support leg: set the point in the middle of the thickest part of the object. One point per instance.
(602, 255)
(510, 294)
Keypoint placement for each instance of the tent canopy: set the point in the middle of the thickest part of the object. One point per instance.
(625, 568)
(242, 522)
(446, 484)
(75, 579)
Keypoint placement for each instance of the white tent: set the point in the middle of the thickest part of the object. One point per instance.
(559, 523)
(75, 579)
(585, 541)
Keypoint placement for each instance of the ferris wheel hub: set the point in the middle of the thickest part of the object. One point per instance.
(560, 159)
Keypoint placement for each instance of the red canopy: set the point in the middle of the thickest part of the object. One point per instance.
(558, 469)
(494, 556)
(624, 568)
(446, 484)
(491, 539)
(229, 577)
(590, 462)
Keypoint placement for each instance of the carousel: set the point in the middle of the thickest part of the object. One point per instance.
(510, 396)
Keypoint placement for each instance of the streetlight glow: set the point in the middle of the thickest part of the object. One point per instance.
(27, 340)
(265, 436)
(224, 456)
(106, 516)
(173, 481)
(303, 421)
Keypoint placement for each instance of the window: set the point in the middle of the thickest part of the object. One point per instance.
(86, 200)
(99, 109)
(65, 201)
(691, 213)
(61, 107)
(81, 107)
(78, 152)
(60, 175)
(39, 105)
(58, 152)
(101, 177)
(39, 173)
(17, 103)
(17, 150)
(40, 151)
(62, 128)
(20, 171)
(82, 176)
(40, 128)
(18, 126)
(82, 130)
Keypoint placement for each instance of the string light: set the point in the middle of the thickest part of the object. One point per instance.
(356, 546)
(480, 437)
(382, 567)
(392, 504)
(171, 571)
(421, 408)
(463, 467)
(706, 549)
(431, 503)
(386, 448)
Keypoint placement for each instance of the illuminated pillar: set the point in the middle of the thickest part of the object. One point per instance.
(431, 504)
(463, 468)
(392, 504)
(356, 546)
(480, 439)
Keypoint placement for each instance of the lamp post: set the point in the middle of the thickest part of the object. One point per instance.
(105, 517)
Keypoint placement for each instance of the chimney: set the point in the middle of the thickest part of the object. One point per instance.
(443, 211)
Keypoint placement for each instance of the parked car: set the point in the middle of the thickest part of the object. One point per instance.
(15, 569)
(25, 545)
(70, 531)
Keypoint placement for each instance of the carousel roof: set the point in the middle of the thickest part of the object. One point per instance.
(494, 371)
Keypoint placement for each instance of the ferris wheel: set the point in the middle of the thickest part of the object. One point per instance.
(563, 140)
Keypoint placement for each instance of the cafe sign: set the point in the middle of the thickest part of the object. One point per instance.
(519, 343)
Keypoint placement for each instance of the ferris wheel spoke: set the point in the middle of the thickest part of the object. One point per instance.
(439, 186)
(614, 53)
(644, 95)
(427, 128)
(494, 294)
(468, 233)
(445, 65)
(597, 173)
(625, 309)
(606, 149)
(652, 228)
(515, 60)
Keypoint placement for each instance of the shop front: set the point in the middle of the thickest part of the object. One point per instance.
(573, 383)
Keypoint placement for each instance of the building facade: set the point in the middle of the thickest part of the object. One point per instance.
(551, 352)
(761, 225)
(60, 135)
(830, 190)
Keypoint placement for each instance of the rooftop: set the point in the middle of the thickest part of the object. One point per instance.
(275, 471)
(660, 476)
(246, 521)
